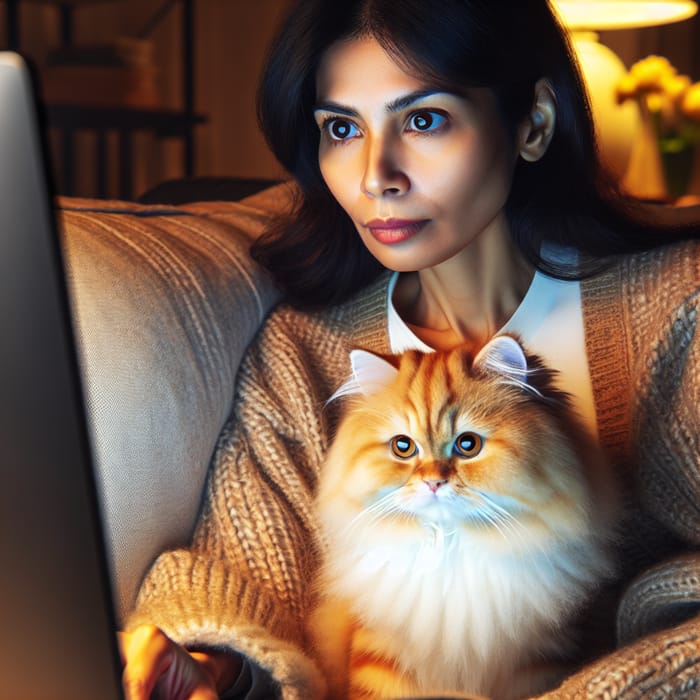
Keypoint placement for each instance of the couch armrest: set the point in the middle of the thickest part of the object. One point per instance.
(165, 300)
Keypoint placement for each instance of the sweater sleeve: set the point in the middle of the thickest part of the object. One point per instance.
(664, 665)
(658, 621)
(244, 582)
(667, 422)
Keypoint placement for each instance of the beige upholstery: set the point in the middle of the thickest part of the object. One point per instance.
(165, 301)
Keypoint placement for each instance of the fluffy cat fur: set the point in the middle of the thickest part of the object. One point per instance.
(466, 515)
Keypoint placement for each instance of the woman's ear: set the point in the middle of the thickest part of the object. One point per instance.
(537, 130)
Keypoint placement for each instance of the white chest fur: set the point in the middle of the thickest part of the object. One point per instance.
(456, 614)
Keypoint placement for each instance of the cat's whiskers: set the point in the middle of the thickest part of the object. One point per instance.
(379, 510)
(484, 516)
(502, 519)
(517, 527)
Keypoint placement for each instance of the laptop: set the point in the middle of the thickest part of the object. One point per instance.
(57, 624)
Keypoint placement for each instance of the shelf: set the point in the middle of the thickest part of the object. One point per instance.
(68, 118)
(65, 8)
(164, 123)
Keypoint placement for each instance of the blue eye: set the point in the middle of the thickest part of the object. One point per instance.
(468, 445)
(340, 129)
(426, 121)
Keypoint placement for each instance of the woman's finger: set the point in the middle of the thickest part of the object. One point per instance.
(147, 654)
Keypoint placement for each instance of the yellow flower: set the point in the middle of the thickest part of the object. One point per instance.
(675, 86)
(658, 102)
(666, 98)
(651, 71)
(626, 88)
(690, 106)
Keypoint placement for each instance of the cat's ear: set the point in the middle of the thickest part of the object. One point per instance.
(370, 374)
(503, 355)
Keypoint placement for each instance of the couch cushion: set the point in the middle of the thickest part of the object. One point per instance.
(165, 301)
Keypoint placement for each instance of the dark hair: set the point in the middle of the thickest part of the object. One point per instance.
(317, 256)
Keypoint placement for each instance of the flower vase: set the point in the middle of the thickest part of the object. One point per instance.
(678, 168)
(645, 174)
(693, 188)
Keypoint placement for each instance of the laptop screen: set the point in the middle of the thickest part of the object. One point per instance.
(56, 621)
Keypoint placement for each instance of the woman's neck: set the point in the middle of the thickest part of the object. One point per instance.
(468, 298)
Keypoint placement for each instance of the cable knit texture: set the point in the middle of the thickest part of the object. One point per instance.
(244, 583)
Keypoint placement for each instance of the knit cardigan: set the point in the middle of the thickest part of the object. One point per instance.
(245, 582)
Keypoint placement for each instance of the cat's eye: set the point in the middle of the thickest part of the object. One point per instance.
(403, 446)
(468, 445)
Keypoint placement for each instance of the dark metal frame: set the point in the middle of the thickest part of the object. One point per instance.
(163, 123)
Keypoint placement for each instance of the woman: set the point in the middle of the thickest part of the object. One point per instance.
(448, 142)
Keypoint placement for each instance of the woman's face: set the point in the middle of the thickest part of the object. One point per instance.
(421, 172)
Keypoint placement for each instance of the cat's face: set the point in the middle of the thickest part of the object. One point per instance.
(459, 445)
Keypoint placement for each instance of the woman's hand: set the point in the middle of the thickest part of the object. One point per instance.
(153, 661)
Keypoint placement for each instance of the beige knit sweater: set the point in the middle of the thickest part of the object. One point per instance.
(244, 583)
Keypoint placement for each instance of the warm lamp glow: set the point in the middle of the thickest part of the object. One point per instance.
(622, 14)
(617, 125)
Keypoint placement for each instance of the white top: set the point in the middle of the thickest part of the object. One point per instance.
(549, 322)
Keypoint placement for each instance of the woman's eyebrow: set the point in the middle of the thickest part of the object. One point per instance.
(415, 96)
(394, 106)
(330, 106)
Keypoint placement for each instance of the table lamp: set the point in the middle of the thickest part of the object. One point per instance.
(616, 125)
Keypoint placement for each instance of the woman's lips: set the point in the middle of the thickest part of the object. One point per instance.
(395, 230)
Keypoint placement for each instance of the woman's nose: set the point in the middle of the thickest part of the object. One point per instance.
(383, 174)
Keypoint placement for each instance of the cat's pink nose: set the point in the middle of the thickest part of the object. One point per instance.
(434, 484)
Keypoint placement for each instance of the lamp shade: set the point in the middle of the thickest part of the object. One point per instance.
(622, 14)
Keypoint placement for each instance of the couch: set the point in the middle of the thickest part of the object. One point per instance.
(165, 299)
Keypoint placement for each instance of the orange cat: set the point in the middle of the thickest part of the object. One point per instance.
(466, 516)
